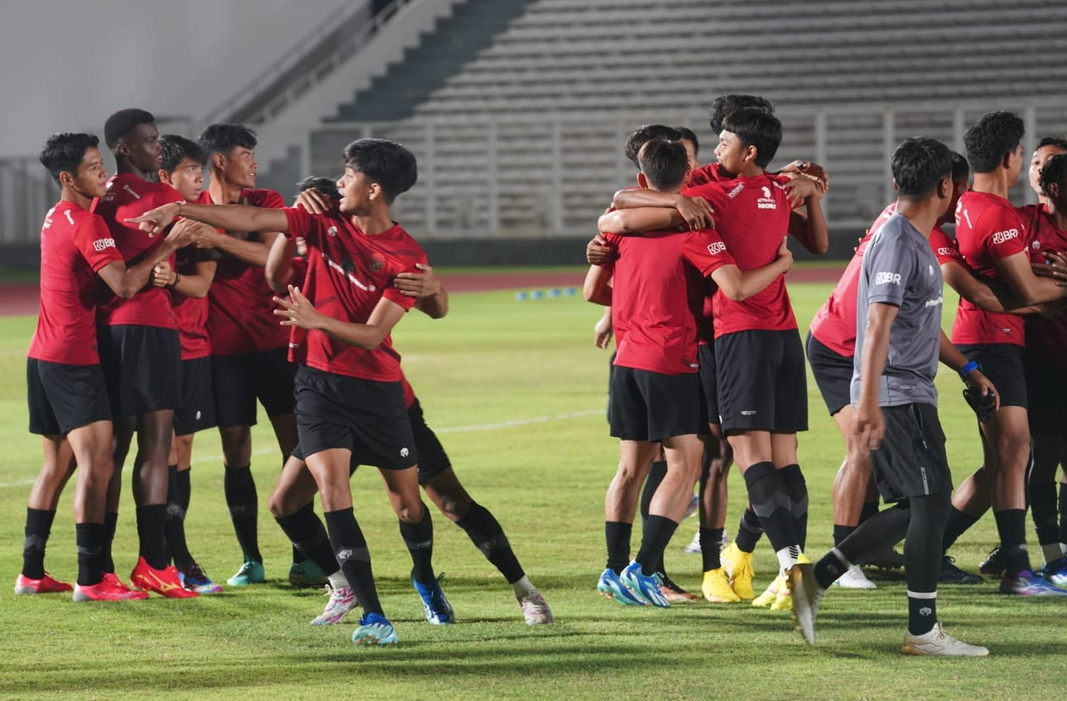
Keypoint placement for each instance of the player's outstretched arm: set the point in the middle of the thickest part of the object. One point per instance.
(279, 264)
(694, 211)
(231, 217)
(253, 251)
(431, 298)
(1027, 287)
(193, 285)
(298, 311)
(127, 281)
(868, 425)
(596, 288)
(739, 285)
(636, 221)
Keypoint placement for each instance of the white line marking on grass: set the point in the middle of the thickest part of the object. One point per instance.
(17, 483)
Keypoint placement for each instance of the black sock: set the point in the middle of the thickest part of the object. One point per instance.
(618, 535)
(830, 568)
(658, 532)
(111, 522)
(655, 476)
(798, 493)
(184, 489)
(958, 523)
(174, 526)
(1011, 525)
(922, 558)
(1063, 512)
(710, 540)
(870, 508)
(38, 528)
(748, 531)
(418, 537)
(305, 530)
(488, 536)
(842, 532)
(350, 549)
(151, 535)
(90, 541)
(1043, 511)
(770, 500)
(241, 497)
(876, 533)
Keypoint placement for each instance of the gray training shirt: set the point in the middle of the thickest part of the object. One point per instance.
(900, 269)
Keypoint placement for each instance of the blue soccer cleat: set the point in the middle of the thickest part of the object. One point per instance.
(645, 588)
(1056, 572)
(438, 610)
(1027, 583)
(374, 629)
(611, 587)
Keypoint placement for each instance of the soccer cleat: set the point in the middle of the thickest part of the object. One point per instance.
(716, 588)
(113, 580)
(195, 579)
(993, 565)
(938, 643)
(45, 585)
(738, 567)
(251, 572)
(374, 629)
(806, 595)
(1027, 583)
(535, 609)
(164, 581)
(107, 590)
(885, 559)
(853, 578)
(673, 593)
(306, 575)
(770, 594)
(438, 610)
(950, 574)
(612, 587)
(694, 545)
(1055, 573)
(645, 588)
(342, 600)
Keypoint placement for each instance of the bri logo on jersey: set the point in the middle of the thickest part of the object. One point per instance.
(716, 248)
(102, 244)
(1000, 237)
(887, 279)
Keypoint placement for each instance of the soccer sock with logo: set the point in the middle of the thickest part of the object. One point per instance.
(308, 536)
(617, 534)
(658, 532)
(111, 523)
(151, 535)
(38, 529)
(174, 526)
(1011, 525)
(798, 493)
(922, 558)
(350, 550)
(749, 531)
(418, 537)
(710, 541)
(770, 500)
(90, 541)
(241, 497)
(958, 523)
(488, 536)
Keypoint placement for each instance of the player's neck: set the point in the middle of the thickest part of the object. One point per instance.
(223, 192)
(376, 222)
(992, 183)
(76, 198)
(923, 215)
(125, 167)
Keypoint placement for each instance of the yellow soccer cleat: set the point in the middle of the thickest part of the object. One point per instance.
(716, 588)
(737, 565)
(784, 598)
(770, 596)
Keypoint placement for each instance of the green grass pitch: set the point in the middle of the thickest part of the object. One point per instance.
(517, 392)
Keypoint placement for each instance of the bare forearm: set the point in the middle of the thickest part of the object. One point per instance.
(251, 252)
(236, 217)
(634, 221)
(363, 336)
(642, 197)
(949, 354)
(279, 264)
(126, 283)
(818, 235)
(434, 306)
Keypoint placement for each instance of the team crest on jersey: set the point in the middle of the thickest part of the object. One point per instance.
(1036, 245)
(332, 231)
(377, 262)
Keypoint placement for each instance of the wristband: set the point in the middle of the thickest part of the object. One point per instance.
(177, 279)
(970, 366)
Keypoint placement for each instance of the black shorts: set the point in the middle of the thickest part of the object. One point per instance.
(1004, 364)
(239, 380)
(366, 417)
(911, 460)
(1046, 395)
(833, 374)
(762, 382)
(198, 402)
(143, 368)
(433, 460)
(709, 382)
(611, 374)
(64, 397)
(651, 406)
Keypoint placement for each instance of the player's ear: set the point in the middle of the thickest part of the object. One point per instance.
(688, 175)
(750, 153)
(945, 188)
(1005, 161)
(217, 161)
(1053, 190)
(374, 191)
(164, 176)
(66, 178)
(642, 180)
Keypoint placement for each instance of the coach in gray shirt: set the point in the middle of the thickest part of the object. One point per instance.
(898, 343)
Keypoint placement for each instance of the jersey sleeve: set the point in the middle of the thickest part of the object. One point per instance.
(268, 199)
(165, 194)
(945, 249)
(889, 265)
(706, 251)
(712, 192)
(394, 295)
(301, 224)
(704, 175)
(613, 240)
(1004, 235)
(95, 242)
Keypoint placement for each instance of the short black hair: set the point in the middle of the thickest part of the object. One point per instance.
(1054, 173)
(224, 138)
(174, 148)
(687, 134)
(1057, 141)
(992, 136)
(385, 162)
(64, 152)
(755, 127)
(324, 185)
(122, 123)
(960, 169)
(725, 104)
(918, 164)
(663, 163)
(643, 135)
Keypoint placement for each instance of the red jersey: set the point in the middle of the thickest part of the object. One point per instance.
(190, 312)
(129, 196)
(658, 295)
(74, 245)
(241, 311)
(988, 229)
(705, 174)
(1046, 339)
(348, 273)
(752, 216)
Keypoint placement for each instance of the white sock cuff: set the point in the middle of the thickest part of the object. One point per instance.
(922, 594)
(842, 558)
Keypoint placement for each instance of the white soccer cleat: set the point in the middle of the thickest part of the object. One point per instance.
(938, 643)
(854, 578)
(535, 609)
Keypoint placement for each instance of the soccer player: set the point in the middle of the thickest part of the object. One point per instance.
(350, 403)
(655, 393)
(248, 347)
(68, 403)
(188, 282)
(992, 241)
(898, 343)
(140, 350)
